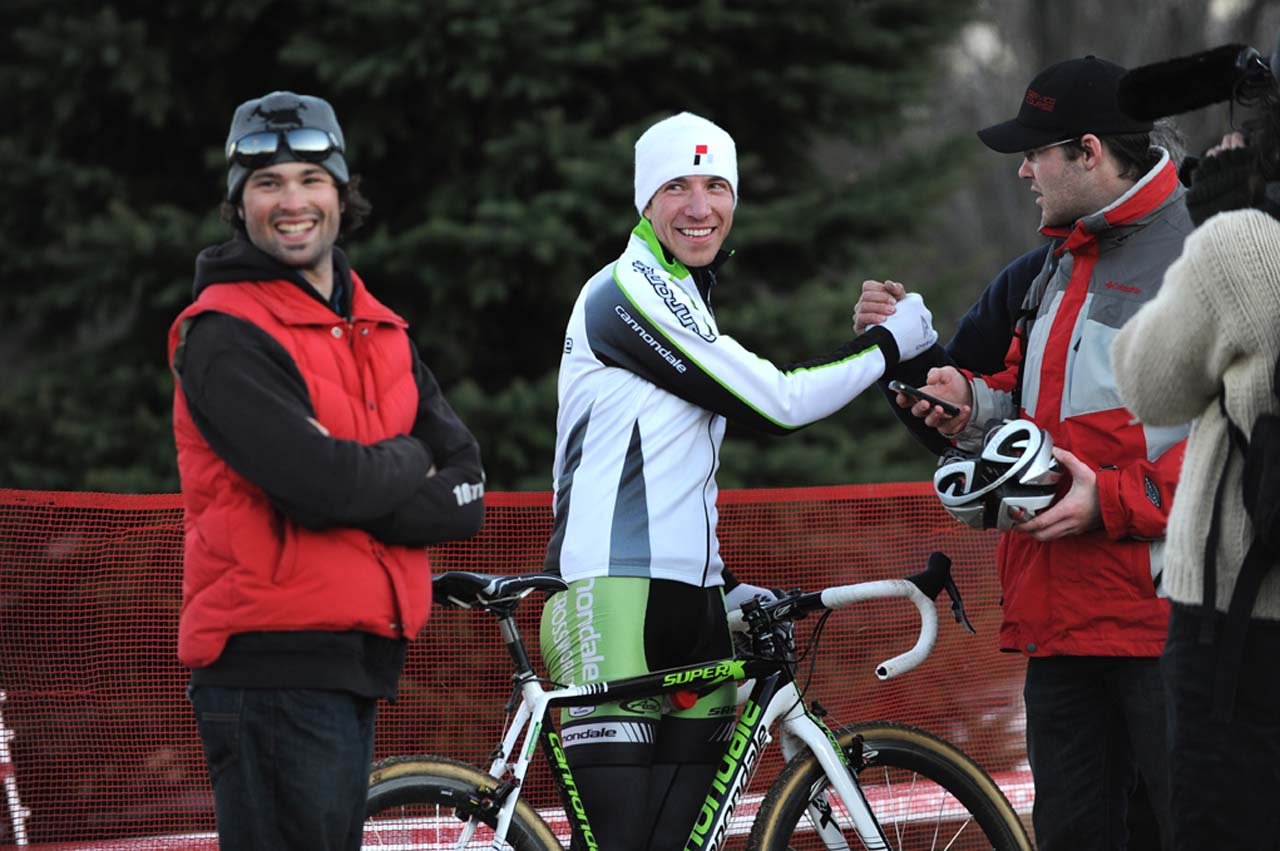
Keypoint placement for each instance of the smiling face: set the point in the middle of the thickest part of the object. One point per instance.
(692, 216)
(292, 212)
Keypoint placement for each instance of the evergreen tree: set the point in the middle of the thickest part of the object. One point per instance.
(494, 140)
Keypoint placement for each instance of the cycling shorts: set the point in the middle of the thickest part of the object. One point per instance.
(609, 627)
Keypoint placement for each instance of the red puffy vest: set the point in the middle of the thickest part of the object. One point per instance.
(247, 567)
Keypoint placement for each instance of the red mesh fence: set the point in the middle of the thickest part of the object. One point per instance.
(98, 745)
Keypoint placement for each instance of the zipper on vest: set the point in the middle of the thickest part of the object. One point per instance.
(380, 553)
(360, 358)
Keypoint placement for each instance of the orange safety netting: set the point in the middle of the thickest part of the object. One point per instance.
(98, 744)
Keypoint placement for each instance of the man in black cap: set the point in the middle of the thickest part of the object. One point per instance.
(318, 459)
(1080, 579)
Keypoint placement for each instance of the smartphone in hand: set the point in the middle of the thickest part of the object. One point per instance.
(921, 396)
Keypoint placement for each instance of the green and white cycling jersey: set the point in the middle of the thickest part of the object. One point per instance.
(646, 384)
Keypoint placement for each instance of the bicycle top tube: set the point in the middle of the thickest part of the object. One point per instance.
(701, 678)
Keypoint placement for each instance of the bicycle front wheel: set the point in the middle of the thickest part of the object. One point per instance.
(925, 794)
(426, 802)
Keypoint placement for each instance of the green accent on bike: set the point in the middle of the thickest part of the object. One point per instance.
(533, 740)
(831, 737)
(732, 774)
(711, 675)
(576, 807)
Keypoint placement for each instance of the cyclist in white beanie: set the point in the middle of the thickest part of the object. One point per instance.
(684, 144)
(647, 383)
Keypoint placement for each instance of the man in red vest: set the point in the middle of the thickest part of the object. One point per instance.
(318, 460)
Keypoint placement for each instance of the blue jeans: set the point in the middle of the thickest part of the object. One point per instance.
(1094, 723)
(1226, 776)
(289, 767)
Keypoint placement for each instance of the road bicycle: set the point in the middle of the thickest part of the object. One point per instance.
(874, 786)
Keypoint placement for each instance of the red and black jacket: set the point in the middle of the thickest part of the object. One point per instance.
(1095, 593)
(305, 438)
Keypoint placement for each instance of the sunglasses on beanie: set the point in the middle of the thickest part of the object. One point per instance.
(308, 144)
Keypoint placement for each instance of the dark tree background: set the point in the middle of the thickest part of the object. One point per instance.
(991, 218)
(495, 142)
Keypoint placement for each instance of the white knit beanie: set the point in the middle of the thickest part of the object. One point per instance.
(679, 145)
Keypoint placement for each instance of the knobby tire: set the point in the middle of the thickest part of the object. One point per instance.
(420, 802)
(925, 794)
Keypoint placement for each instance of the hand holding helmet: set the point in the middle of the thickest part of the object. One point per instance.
(1010, 480)
(1076, 512)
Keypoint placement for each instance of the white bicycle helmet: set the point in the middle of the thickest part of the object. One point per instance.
(1013, 478)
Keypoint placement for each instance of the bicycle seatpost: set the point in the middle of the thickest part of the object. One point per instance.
(515, 644)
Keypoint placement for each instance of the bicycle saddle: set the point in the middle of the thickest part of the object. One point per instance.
(465, 589)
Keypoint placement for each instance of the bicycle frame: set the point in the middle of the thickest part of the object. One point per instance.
(773, 698)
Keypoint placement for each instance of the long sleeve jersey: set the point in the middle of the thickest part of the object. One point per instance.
(647, 381)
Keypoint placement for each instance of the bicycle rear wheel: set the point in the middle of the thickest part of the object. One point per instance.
(417, 803)
(924, 793)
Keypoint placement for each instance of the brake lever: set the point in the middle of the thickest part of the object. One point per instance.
(957, 604)
(937, 577)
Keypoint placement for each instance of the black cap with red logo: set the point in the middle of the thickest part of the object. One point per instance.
(1065, 101)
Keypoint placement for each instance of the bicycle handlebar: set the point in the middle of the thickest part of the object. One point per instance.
(921, 589)
(847, 595)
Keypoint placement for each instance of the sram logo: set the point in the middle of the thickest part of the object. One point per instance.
(731, 777)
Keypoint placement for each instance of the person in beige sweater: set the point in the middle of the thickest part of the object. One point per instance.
(1214, 329)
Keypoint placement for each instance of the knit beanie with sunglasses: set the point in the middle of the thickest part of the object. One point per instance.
(282, 111)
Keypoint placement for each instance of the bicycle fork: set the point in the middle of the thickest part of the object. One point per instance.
(770, 703)
(800, 729)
